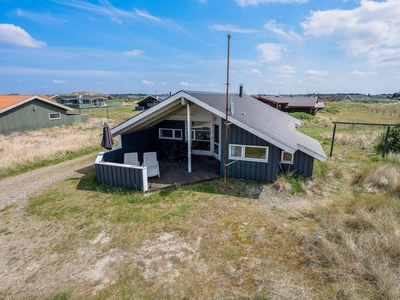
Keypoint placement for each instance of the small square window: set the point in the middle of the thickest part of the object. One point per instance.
(236, 151)
(287, 157)
(166, 133)
(178, 134)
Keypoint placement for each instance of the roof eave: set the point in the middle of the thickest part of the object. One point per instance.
(318, 156)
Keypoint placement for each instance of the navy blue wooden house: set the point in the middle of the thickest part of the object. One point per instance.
(262, 141)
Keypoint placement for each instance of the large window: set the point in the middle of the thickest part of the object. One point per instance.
(201, 137)
(54, 116)
(170, 134)
(286, 157)
(251, 153)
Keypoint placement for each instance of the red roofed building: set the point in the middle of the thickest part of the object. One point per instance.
(309, 105)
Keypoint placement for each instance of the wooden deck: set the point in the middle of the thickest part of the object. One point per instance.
(176, 172)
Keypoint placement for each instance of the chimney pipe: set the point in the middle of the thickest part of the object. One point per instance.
(241, 90)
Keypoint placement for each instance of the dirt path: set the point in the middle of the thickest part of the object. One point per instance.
(16, 190)
(27, 266)
(33, 264)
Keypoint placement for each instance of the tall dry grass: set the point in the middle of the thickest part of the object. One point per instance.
(24, 148)
(362, 139)
(353, 250)
(384, 178)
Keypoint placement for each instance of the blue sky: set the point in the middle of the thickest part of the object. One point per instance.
(138, 46)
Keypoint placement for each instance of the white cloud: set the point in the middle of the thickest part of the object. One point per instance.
(252, 71)
(164, 83)
(316, 73)
(232, 28)
(15, 35)
(146, 15)
(364, 29)
(38, 17)
(184, 83)
(385, 57)
(363, 74)
(106, 8)
(245, 3)
(134, 52)
(283, 69)
(271, 52)
(60, 81)
(147, 82)
(279, 31)
(117, 20)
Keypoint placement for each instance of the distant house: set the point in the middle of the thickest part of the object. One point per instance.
(395, 96)
(19, 113)
(81, 101)
(262, 141)
(124, 97)
(309, 105)
(150, 101)
(364, 97)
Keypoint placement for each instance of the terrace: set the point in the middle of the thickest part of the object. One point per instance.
(172, 172)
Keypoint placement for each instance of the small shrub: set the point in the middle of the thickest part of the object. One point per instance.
(331, 110)
(393, 140)
(302, 116)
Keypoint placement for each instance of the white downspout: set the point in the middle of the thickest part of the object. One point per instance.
(189, 135)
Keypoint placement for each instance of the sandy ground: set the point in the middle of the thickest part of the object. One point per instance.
(29, 266)
(24, 238)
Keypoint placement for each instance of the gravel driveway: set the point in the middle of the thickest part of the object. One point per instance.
(27, 265)
(16, 190)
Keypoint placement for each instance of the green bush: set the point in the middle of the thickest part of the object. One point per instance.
(301, 116)
(393, 141)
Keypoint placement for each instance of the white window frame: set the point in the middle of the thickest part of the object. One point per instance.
(173, 134)
(55, 113)
(243, 153)
(286, 161)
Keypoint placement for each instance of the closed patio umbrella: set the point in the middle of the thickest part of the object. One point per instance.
(107, 139)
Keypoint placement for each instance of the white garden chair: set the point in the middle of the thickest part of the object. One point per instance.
(131, 159)
(150, 161)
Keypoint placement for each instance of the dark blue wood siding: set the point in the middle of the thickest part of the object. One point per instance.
(173, 125)
(139, 141)
(302, 165)
(250, 170)
(119, 176)
(115, 156)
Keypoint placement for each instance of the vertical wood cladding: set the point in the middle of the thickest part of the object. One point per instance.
(302, 164)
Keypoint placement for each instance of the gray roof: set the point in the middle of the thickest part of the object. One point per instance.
(250, 114)
(151, 98)
(366, 97)
(75, 97)
(294, 101)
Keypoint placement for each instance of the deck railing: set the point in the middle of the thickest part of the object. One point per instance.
(120, 175)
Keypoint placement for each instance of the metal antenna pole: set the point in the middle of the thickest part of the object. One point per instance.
(226, 113)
